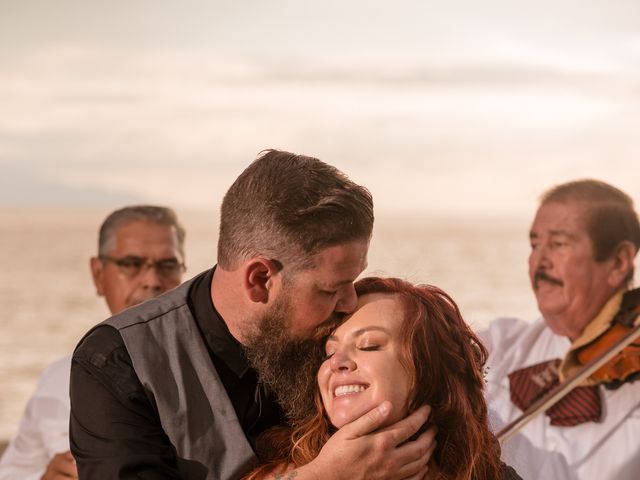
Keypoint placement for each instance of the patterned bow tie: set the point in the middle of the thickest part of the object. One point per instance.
(529, 384)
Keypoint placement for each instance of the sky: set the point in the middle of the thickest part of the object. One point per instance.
(459, 107)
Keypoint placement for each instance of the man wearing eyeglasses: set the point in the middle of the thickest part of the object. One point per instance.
(140, 256)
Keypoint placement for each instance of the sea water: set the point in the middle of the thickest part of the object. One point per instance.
(47, 299)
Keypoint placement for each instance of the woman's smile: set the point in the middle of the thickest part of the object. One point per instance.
(348, 389)
(362, 368)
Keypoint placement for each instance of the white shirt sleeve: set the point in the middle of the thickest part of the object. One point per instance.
(44, 427)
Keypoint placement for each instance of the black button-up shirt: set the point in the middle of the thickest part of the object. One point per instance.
(114, 429)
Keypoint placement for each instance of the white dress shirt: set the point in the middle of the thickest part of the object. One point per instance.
(608, 449)
(44, 427)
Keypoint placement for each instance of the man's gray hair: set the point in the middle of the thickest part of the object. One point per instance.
(138, 213)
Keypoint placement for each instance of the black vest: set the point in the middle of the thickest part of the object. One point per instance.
(172, 363)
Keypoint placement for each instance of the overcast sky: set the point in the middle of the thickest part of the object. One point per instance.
(456, 106)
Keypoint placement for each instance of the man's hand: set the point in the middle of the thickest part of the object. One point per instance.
(360, 451)
(62, 466)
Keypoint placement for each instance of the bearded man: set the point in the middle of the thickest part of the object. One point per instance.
(182, 386)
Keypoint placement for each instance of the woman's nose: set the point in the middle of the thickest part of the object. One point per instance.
(342, 362)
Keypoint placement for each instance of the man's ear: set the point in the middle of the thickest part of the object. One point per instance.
(258, 279)
(97, 272)
(621, 263)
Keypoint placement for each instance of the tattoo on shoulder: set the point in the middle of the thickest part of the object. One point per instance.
(286, 476)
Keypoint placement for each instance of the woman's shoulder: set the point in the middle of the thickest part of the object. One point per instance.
(508, 473)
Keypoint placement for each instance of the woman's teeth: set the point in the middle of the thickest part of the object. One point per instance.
(346, 389)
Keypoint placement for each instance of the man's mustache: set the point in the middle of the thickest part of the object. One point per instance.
(540, 275)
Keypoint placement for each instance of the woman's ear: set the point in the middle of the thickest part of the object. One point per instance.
(621, 263)
(258, 279)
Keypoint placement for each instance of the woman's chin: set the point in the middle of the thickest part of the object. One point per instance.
(340, 421)
(343, 417)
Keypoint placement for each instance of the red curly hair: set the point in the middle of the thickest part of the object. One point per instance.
(445, 360)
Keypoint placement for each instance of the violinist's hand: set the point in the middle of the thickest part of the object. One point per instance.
(61, 467)
(360, 451)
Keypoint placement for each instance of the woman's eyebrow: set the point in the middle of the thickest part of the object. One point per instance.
(361, 331)
(376, 328)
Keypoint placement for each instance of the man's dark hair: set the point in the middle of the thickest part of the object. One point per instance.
(287, 207)
(611, 218)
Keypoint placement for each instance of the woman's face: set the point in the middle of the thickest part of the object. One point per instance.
(363, 366)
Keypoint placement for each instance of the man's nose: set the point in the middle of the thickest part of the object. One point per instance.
(150, 279)
(342, 362)
(348, 301)
(539, 258)
(544, 254)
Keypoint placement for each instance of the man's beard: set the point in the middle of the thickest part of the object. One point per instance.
(285, 365)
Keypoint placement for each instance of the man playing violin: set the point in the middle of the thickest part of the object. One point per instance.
(584, 239)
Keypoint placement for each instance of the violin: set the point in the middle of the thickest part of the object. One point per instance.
(614, 355)
(625, 365)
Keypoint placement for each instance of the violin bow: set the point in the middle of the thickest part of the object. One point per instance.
(561, 390)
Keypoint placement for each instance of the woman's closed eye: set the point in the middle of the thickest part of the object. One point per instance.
(372, 341)
(370, 347)
(364, 348)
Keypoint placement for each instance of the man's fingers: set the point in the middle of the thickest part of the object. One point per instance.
(367, 423)
(416, 465)
(412, 456)
(62, 465)
(421, 475)
(413, 470)
(432, 447)
(404, 429)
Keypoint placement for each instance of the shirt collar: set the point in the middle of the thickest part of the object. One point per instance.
(219, 340)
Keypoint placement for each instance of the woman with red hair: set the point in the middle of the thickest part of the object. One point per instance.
(408, 345)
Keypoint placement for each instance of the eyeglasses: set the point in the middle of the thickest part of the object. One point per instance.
(133, 266)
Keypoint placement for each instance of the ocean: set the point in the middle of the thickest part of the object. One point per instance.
(47, 299)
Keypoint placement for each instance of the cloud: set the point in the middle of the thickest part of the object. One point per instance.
(24, 189)
(468, 112)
